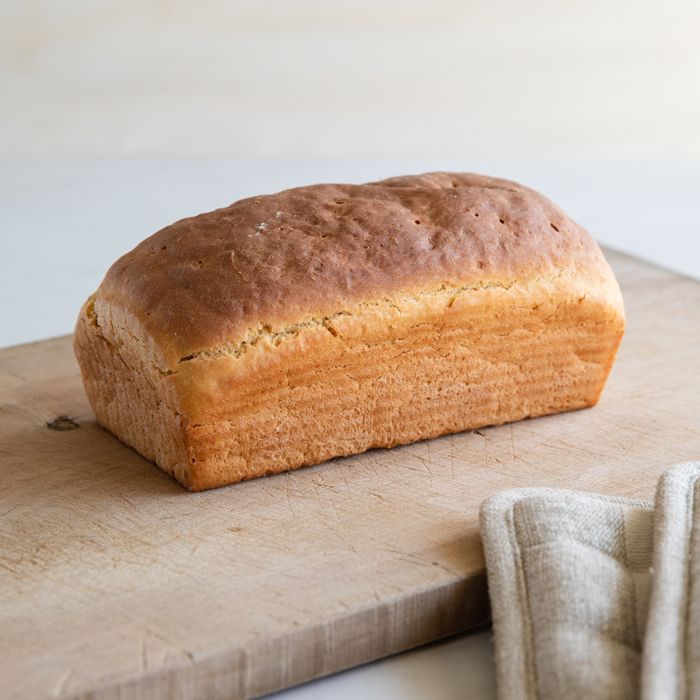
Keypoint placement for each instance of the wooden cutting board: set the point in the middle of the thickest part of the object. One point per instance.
(116, 582)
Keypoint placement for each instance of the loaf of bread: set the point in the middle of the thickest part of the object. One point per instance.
(321, 321)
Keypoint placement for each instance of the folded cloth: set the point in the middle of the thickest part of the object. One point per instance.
(593, 596)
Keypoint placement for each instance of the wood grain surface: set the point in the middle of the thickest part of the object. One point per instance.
(116, 582)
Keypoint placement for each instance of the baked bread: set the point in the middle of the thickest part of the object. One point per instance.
(321, 321)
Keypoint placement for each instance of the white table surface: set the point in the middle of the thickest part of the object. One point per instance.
(63, 222)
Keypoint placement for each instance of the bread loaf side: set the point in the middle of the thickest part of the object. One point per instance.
(321, 321)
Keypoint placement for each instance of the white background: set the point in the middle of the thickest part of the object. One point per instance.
(350, 78)
(120, 116)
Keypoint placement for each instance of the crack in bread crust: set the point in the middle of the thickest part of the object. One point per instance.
(205, 281)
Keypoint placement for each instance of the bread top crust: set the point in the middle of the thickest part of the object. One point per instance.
(273, 260)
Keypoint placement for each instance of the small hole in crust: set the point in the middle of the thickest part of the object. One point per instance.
(500, 221)
(480, 264)
(417, 221)
(165, 247)
(193, 460)
(554, 227)
(455, 184)
(476, 213)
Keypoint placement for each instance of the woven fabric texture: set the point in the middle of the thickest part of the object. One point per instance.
(593, 596)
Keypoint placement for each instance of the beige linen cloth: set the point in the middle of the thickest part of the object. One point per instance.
(596, 597)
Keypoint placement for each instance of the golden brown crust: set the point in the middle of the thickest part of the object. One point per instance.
(347, 331)
(272, 260)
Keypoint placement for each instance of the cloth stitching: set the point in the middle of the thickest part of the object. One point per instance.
(690, 510)
(588, 545)
(637, 625)
(531, 666)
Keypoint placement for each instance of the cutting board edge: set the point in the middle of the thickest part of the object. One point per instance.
(241, 673)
